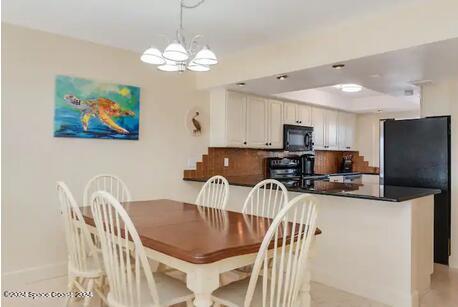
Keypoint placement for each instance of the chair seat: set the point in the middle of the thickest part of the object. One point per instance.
(93, 269)
(233, 295)
(170, 290)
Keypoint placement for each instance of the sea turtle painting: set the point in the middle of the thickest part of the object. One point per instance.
(102, 108)
(90, 109)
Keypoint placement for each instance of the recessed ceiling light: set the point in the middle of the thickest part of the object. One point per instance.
(240, 84)
(282, 77)
(349, 88)
(375, 76)
(421, 82)
(338, 66)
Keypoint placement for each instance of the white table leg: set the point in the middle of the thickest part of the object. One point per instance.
(203, 281)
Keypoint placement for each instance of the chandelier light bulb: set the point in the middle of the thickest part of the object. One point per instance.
(197, 67)
(152, 56)
(205, 57)
(176, 52)
(169, 66)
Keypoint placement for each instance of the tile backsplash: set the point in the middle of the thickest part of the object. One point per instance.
(251, 162)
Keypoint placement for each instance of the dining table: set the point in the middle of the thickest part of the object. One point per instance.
(202, 242)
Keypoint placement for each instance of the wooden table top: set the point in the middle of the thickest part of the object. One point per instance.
(193, 233)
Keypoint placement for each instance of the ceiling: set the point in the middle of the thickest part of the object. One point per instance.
(365, 101)
(390, 73)
(228, 25)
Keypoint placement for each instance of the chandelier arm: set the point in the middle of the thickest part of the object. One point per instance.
(193, 43)
(191, 6)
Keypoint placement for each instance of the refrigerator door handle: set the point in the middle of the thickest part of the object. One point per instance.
(382, 149)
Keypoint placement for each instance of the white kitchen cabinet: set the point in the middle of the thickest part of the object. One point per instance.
(347, 131)
(325, 129)
(318, 122)
(297, 114)
(241, 120)
(236, 120)
(350, 132)
(304, 115)
(256, 122)
(275, 124)
(289, 111)
(330, 132)
(248, 121)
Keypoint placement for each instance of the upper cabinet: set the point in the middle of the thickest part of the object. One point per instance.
(256, 122)
(347, 131)
(318, 122)
(240, 120)
(324, 128)
(236, 126)
(297, 114)
(330, 131)
(247, 121)
(275, 123)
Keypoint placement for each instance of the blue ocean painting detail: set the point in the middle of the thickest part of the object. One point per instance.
(90, 109)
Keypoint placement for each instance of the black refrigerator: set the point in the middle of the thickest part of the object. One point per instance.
(416, 153)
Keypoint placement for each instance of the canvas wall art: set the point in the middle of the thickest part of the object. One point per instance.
(90, 109)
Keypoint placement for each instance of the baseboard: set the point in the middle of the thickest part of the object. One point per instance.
(31, 275)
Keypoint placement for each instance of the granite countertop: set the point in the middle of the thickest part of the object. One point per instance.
(351, 188)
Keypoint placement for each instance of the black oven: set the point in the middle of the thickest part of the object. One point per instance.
(297, 138)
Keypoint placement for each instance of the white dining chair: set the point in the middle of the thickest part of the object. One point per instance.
(109, 183)
(284, 283)
(214, 193)
(132, 283)
(266, 199)
(84, 264)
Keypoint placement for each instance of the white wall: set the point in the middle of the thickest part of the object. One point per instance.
(442, 99)
(368, 136)
(33, 160)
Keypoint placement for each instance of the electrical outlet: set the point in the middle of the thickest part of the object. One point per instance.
(226, 162)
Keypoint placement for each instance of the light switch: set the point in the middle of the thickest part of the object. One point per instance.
(226, 162)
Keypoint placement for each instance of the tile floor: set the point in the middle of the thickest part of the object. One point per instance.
(444, 293)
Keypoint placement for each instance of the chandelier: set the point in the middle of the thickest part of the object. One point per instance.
(178, 56)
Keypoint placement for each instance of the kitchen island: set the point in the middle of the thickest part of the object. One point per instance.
(377, 240)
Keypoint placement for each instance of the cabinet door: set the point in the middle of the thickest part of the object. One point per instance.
(275, 124)
(318, 127)
(256, 122)
(342, 130)
(289, 112)
(304, 115)
(236, 120)
(331, 130)
(350, 131)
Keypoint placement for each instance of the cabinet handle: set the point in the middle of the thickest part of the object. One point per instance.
(244, 143)
(267, 144)
(300, 122)
(270, 143)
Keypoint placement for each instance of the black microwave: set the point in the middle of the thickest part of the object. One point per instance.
(297, 138)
